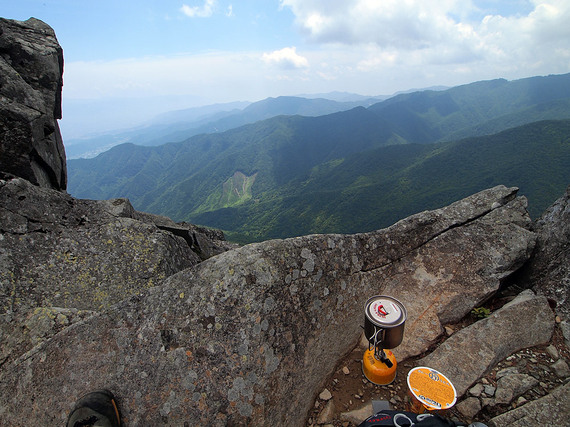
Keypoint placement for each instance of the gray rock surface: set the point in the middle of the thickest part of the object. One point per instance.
(327, 414)
(469, 407)
(561, 369)
(548, 273)
(507, 371)
(550, 410)
(205, 242)
(356, 416)
(57, 252)
(250, 335)
(509, 387)
(470, 353)
(476, 390)
(456, 270)
(565, 327)
(31, 70)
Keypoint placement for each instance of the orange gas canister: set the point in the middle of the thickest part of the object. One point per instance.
(377, 371)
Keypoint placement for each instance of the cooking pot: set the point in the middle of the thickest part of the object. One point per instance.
(384, 320)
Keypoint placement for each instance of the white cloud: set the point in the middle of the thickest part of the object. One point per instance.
(204, 11)
(370, 47)
(388, 23)
(230, 11)
(440, 32)
(286, 58)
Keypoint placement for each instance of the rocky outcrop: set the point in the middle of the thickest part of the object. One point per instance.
(31, 70)
(238, 335)
(550, 410)
(548, 272)
(79, 253)
(205, 242)
(60, 253)
(471, 353)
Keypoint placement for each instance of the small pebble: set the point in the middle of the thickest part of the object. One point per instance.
(325, 395)
(345, 370)
(553, 352)
(506, 371)
(489, 390)
(476, 390)
(561, 369)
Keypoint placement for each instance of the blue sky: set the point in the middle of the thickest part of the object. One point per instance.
(128, 60)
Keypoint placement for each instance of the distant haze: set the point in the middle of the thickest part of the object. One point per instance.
(129, 60)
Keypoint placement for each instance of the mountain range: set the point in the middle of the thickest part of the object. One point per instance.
(179, 125)
(350, 171)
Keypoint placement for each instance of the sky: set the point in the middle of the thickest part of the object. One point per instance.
(128, 60)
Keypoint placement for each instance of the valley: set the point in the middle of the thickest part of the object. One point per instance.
(348, 171)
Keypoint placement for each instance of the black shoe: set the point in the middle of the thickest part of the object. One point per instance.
(97, 408)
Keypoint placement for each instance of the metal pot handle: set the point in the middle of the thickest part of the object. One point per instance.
(378, 350)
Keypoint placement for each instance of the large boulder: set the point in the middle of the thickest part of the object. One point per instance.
(60, 253)
(31, 79)
(469, 354)
(250, 336)
(548, 271)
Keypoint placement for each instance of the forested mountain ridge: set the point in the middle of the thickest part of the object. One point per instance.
(297, 170)
(177, 126)
(466, 110)
(374, 189)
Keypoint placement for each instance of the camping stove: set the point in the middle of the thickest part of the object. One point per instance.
(384, 319)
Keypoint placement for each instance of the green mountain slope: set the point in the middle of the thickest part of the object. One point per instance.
(187, 173)
(180, 125)
(283, 176)
(467, 110)
(372, 190)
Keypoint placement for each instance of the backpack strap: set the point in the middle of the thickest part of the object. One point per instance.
(388, 417)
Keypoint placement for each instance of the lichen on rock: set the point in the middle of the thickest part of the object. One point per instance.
(260, 325)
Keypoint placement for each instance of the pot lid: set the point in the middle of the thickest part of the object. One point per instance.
(385, 311)
(431, 388)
